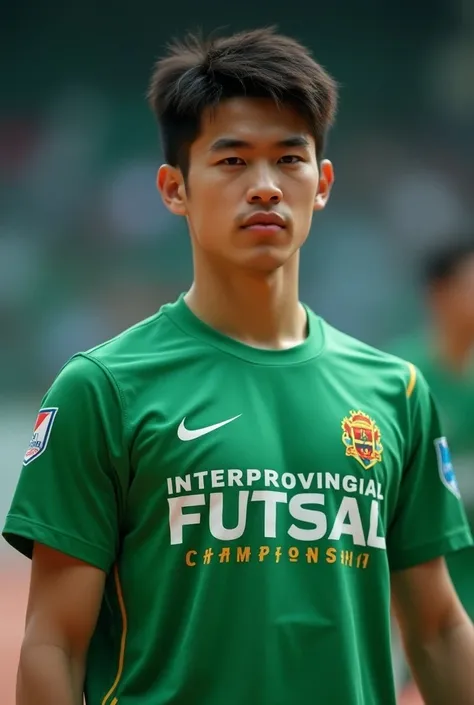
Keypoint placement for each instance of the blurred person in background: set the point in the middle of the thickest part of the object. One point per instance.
(444, 352)
(221, 502)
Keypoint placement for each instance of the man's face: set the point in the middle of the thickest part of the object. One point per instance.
(252, 160)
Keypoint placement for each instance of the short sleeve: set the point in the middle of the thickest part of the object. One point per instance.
(429, 519)
(71, 490)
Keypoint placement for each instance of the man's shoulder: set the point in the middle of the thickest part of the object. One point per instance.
(361, 352)
(149, 339)
(367, 363)
(129, 341)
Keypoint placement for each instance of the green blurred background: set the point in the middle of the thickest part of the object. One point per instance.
(86, 247)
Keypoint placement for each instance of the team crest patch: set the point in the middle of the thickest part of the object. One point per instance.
(445, 466)
(361, 437)
(41, 434)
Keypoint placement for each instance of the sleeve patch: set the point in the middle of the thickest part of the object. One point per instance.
(41, 433)
(445, 466)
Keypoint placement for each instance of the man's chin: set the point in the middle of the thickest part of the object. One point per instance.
(266, 259)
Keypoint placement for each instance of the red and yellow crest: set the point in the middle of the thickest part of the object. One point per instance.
(361, 437)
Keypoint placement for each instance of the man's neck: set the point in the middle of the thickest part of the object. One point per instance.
(258, 309)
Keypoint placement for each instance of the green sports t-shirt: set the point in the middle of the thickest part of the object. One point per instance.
(454, 396)
(247, 505)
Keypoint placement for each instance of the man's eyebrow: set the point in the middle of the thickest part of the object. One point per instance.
(295, 141)
(228, 143)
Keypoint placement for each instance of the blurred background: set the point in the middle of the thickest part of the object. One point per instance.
(87, 248)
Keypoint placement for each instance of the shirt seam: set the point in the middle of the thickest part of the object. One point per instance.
(123, 410)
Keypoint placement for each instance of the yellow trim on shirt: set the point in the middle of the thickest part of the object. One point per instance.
(412, 381)
(123, 640)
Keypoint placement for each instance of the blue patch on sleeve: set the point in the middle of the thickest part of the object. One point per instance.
(445, 466)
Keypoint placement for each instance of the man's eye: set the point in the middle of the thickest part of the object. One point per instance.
(291, 159)
(232, 161)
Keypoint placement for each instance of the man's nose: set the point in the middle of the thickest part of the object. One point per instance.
(264, 188)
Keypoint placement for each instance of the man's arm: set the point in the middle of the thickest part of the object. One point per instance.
(63, 607)
(437, 634)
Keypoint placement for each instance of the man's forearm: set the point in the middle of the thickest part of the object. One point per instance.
(444, 668)
(47, 676)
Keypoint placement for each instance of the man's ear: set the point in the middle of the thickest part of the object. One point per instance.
(170, 184)
(326, 180)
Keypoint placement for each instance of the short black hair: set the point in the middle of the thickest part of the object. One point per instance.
(444, 263)
(198, 73)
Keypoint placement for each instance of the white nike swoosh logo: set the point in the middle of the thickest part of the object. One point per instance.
(186, 434)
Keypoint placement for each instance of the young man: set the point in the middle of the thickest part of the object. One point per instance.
(444, 352)
(217, 500)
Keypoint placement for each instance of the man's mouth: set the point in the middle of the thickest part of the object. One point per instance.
(265, 222)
